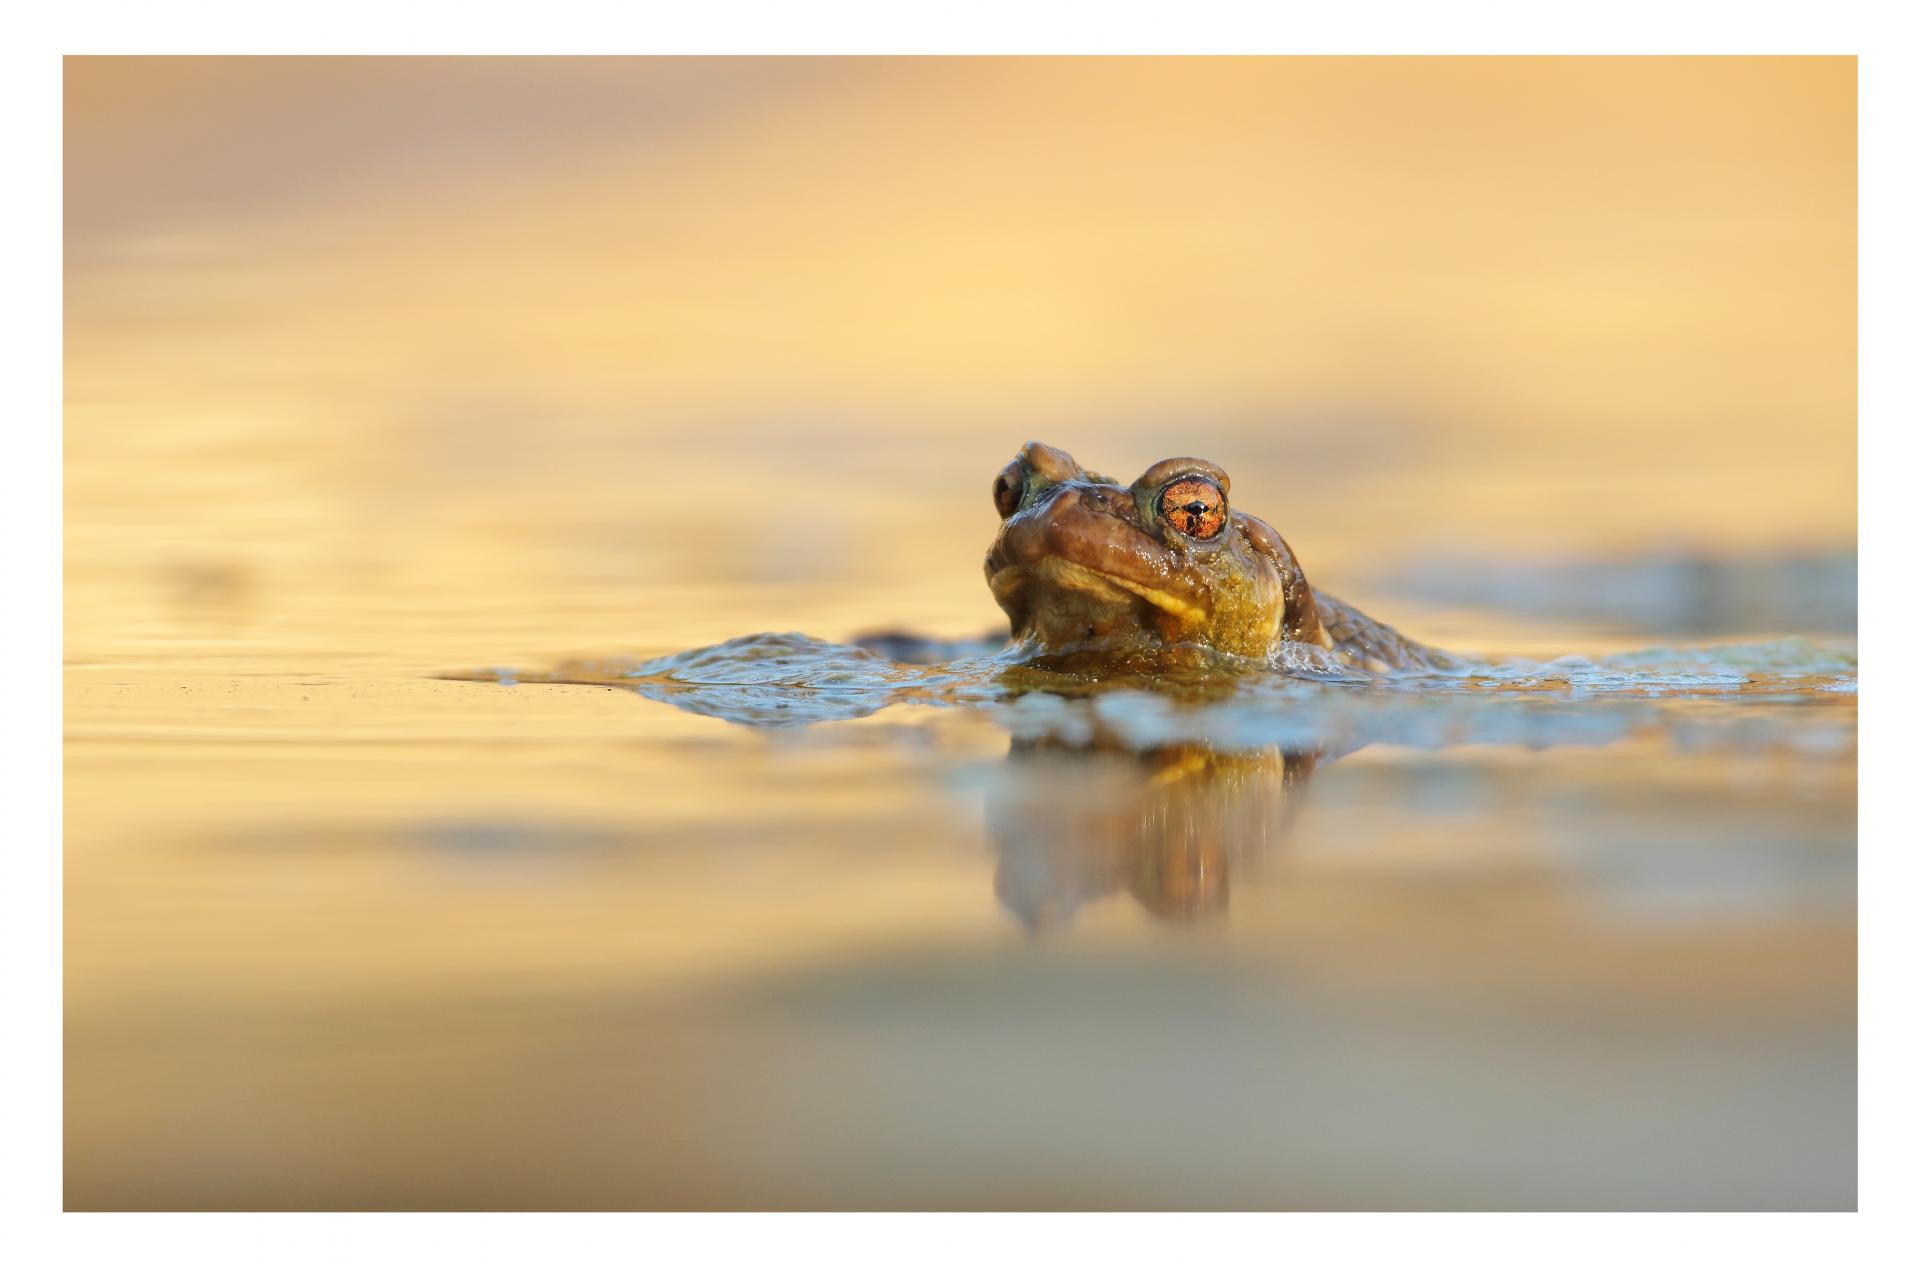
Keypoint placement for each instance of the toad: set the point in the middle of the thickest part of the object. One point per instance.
(1090, 569)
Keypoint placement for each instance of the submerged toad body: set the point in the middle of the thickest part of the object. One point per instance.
(1083, 563)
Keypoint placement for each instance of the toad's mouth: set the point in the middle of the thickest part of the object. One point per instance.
(1095, 583)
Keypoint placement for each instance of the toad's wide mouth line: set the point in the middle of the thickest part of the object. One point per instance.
(1097, 582)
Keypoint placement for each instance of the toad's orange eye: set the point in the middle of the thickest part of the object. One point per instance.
(1195, 506)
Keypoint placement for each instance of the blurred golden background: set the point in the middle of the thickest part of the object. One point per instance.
(583, 333)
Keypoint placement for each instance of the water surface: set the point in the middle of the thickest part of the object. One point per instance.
(784, 922)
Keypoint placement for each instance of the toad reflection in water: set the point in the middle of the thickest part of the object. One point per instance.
(1169, 825)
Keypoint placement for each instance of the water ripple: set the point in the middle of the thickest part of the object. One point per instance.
(1741, 696)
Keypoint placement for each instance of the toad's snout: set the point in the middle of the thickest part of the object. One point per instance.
(1082, 523)
(1078, 560)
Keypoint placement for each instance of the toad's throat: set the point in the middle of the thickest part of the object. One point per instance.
(1065, 574)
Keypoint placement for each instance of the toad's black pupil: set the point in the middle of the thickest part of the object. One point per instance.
(1195, 507)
